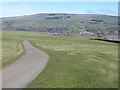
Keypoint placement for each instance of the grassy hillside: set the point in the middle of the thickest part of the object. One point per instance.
(63, 23)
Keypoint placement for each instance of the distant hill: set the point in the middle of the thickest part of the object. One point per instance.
(60, 23)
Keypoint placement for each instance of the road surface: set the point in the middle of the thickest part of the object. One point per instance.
(25, 69)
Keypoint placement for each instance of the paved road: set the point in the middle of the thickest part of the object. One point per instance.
(21, 72)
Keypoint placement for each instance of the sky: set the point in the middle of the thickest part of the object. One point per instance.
(9, 9)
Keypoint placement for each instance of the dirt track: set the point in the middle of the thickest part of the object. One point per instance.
(21, 72)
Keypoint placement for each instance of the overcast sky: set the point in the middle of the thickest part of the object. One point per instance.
(9, 9)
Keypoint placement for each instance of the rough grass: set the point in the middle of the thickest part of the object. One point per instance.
(77, 62)
(11, 50)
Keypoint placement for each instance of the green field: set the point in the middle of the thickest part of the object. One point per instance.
(74, 61)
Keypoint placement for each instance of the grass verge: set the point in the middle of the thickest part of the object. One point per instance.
(14, 58)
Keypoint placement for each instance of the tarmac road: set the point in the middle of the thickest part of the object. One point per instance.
(25, 69)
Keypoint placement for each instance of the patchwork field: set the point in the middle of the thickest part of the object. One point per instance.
(64, 23)
(74, 61)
